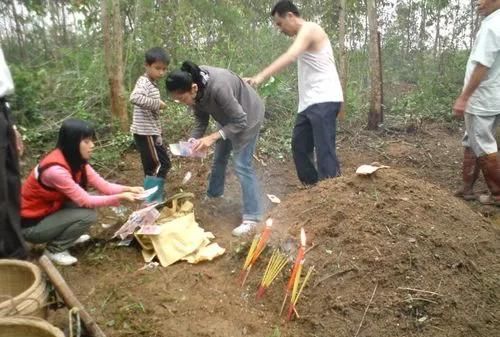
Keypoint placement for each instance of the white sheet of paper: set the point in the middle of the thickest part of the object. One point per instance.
(186, 178)
(185, 149)
(147, 193)
(175, 149)
(273, 198)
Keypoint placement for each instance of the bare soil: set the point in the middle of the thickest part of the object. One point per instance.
(431, 261)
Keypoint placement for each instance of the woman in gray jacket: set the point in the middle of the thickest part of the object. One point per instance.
(239, 113)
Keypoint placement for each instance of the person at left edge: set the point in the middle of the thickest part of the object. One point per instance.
(12, 244)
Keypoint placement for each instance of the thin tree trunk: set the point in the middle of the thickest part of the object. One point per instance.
(113, 59)
(343, 52)
(64, 28)
(375, 112)
(437, 37)
(19, 31)
(409, 28)
(454, 32)
(423, 22)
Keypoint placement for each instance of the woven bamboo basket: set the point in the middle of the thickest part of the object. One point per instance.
(23, 289)
(20, 326)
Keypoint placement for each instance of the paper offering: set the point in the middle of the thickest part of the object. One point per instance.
(150, 230)
(185, 149)
(147, 193)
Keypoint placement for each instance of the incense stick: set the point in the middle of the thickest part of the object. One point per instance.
(276, 264)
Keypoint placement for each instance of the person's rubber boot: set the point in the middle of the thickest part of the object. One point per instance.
(470, 173)
(491, 171)
(158, 196)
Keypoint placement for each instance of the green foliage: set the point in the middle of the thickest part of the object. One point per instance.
(433, 91)
(111, 148)
(59, 69)
(30, 87)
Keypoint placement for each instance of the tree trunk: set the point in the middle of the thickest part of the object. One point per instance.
(375, 116)
(409, 28)
(436, 49)
(343, 53)
(113, 59)
(423, 22)
(19, 31)
(64, 23)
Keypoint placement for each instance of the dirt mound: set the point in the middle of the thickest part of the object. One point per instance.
(430, 261)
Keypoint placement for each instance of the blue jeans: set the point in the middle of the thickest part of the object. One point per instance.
(242, 160)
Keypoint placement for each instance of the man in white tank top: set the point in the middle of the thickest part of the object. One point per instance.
(320, 93)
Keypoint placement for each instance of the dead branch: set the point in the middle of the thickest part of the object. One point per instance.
(420, 291)
(364, 314)
(342, 272)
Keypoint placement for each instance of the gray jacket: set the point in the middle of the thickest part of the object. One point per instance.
(233, 104)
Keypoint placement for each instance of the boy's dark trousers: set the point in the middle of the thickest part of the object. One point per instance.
(11, 241)
(314, 130)
(154, 157)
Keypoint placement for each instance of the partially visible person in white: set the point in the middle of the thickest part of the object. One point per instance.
(479, 105)
(11, 147)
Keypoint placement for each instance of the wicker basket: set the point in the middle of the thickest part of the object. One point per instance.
(23, 290)
(27, 327)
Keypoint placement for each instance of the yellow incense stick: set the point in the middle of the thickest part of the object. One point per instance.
(277, 270)
(283, 304)
(268, 267)
(250, 252)
(296, 282)
(309, 272)
(278, 263)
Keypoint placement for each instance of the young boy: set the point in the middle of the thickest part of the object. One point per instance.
(146, 126)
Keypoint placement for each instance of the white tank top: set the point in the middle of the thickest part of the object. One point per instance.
(318, 78)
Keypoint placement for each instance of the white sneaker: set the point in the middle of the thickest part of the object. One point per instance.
(63, 258)
(246, 227)
(82, 239)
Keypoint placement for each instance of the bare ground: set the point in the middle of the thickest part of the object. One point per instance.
(400, 229)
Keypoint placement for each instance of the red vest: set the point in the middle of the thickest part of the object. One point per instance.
(38, 200)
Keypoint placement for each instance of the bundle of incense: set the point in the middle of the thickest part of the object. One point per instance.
(296, 294)
(300, 256)
(276, 264)
(258, 244)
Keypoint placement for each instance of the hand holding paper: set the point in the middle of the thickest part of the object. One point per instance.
(147, 193)
(186, 149)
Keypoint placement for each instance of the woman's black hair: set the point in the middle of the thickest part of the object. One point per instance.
(182, 80)
(71, 133)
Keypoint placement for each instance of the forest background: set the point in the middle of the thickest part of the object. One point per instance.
(69, 58)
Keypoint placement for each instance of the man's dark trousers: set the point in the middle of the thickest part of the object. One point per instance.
(315, 131)
(11, 241)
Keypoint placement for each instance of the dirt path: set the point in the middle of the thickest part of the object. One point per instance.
(204, 300)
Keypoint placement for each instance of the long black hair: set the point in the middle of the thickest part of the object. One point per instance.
(71, 133)
(182, 80)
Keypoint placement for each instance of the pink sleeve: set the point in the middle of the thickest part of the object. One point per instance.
(99, 183)
(60, 179)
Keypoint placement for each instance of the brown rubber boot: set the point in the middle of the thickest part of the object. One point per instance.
(491, 171)
(470, 173)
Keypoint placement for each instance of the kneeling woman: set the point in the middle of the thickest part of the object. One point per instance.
(239, 113)
(56, 208)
